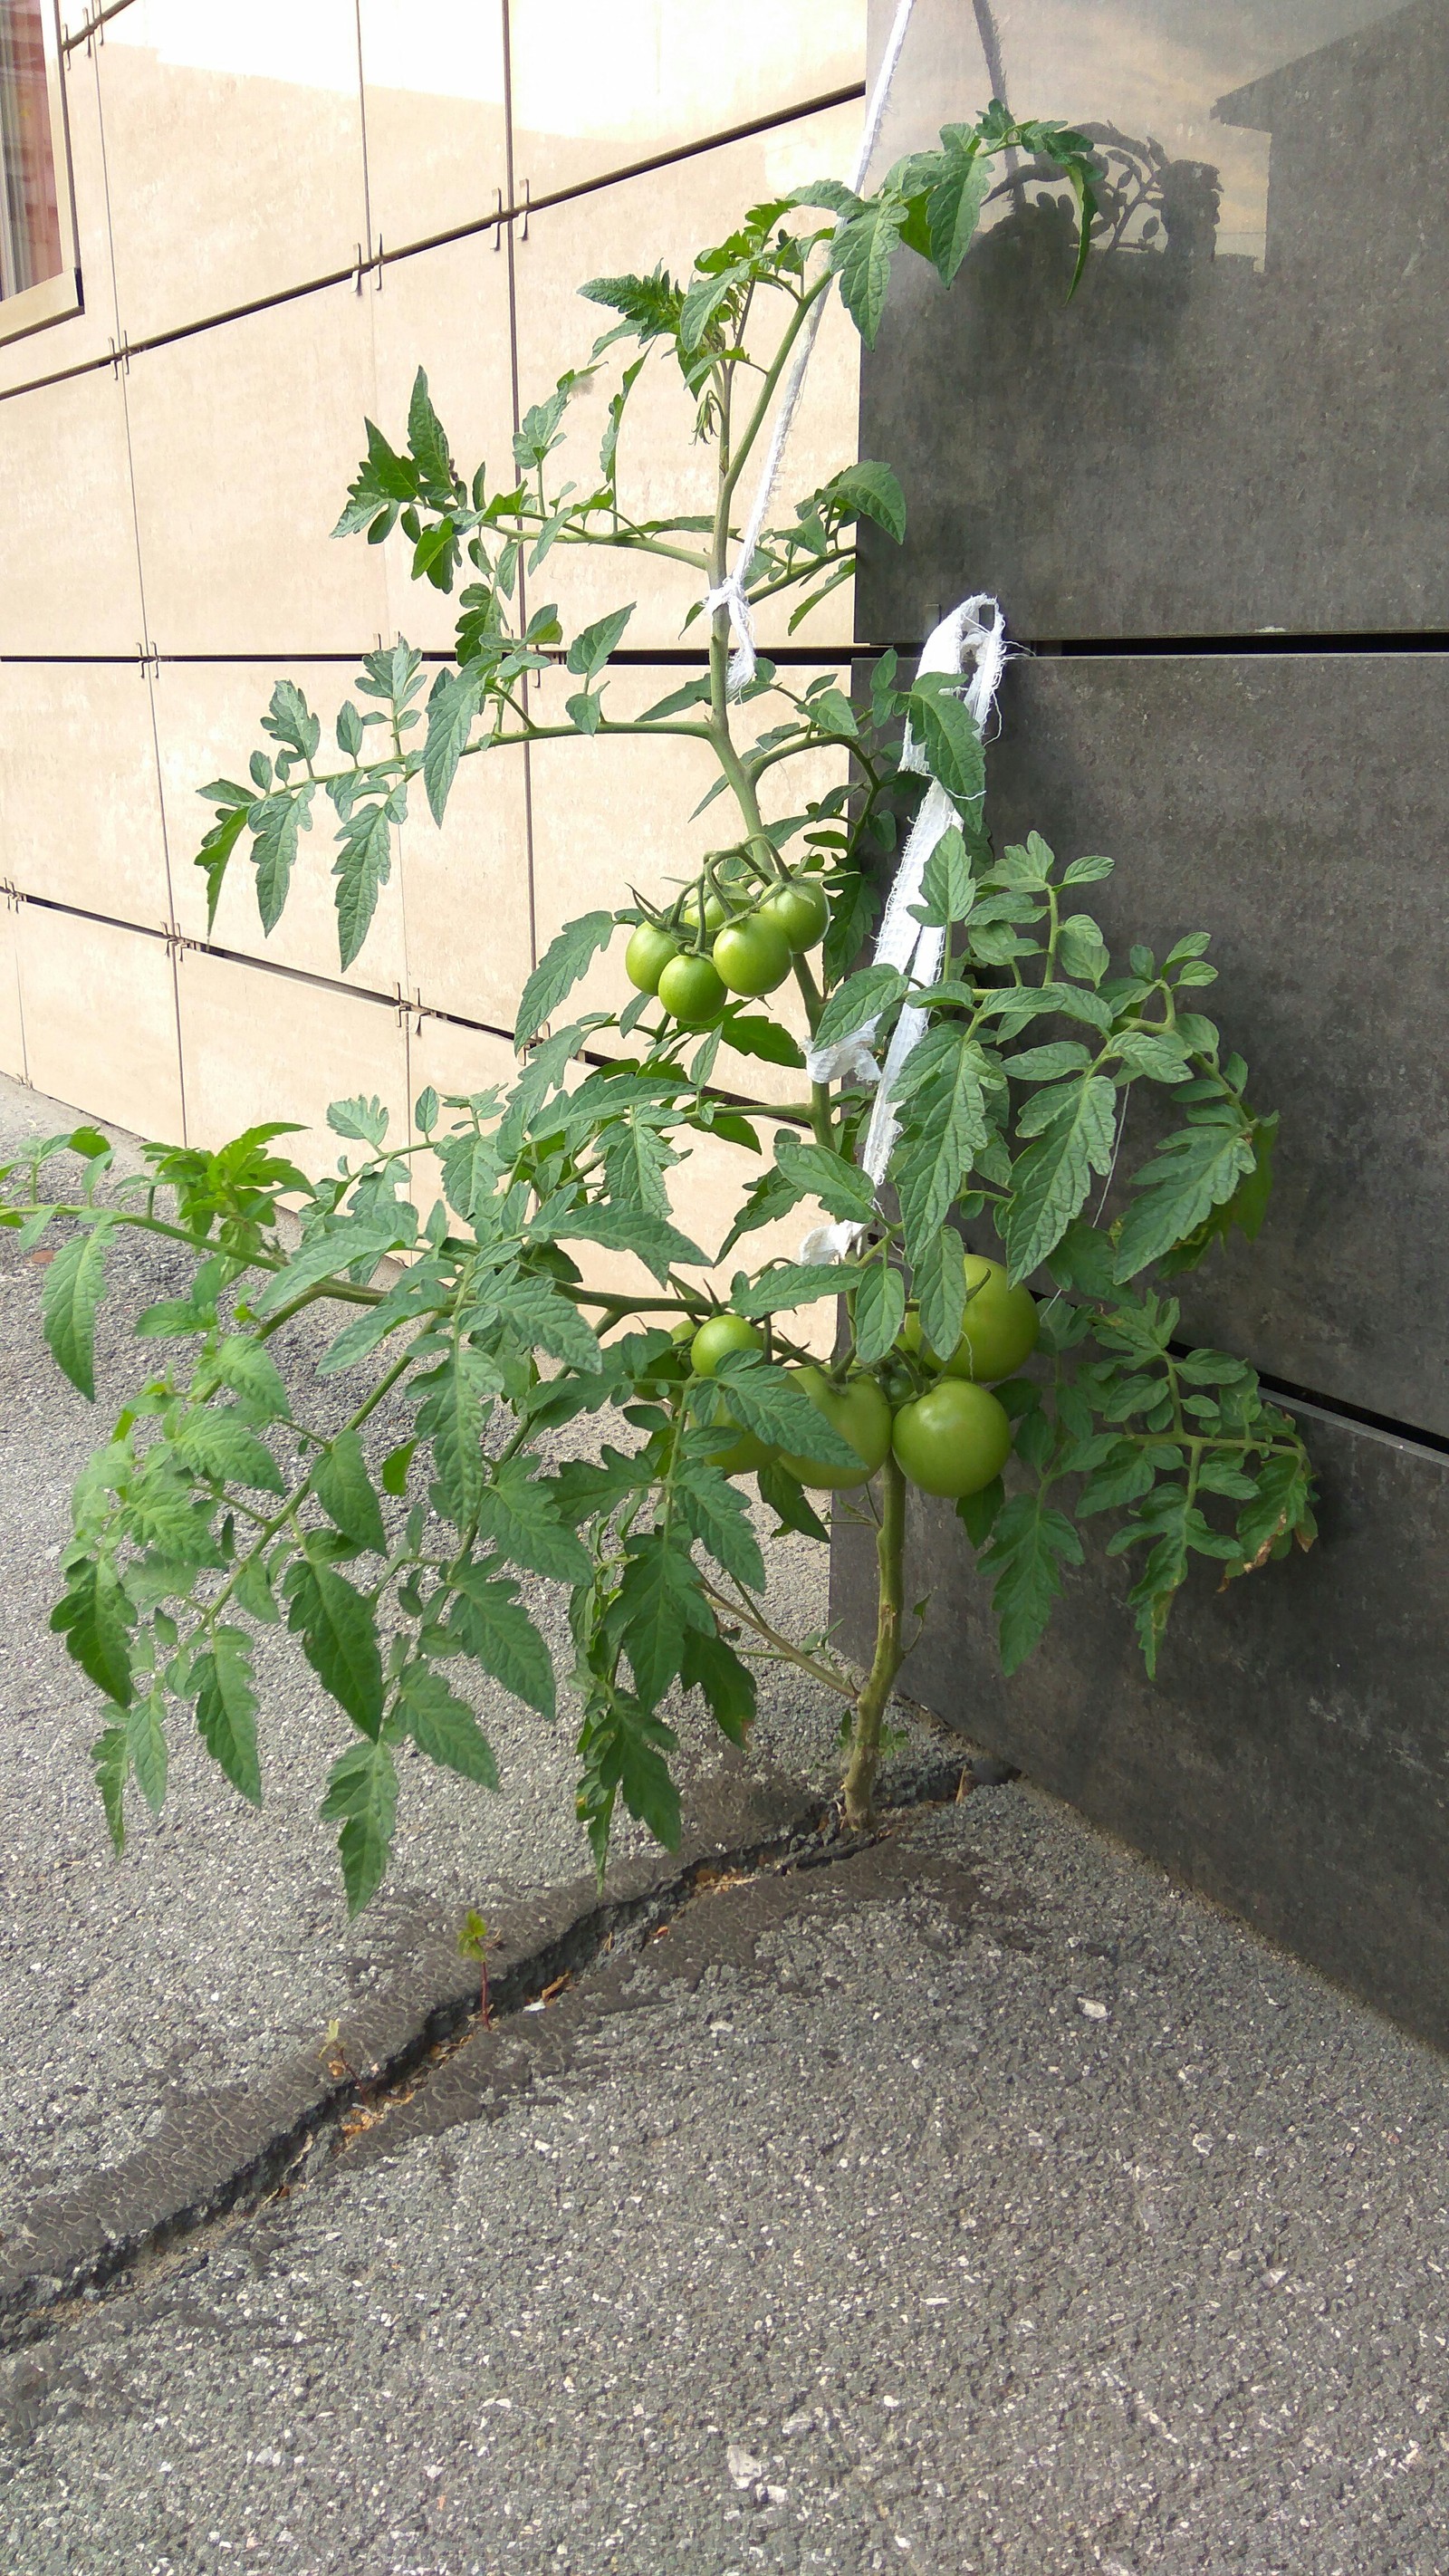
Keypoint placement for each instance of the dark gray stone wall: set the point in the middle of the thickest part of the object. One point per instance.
(1291, 1758)
(1241, 421)
(1239, 429)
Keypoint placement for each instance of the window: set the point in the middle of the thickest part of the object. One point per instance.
(39, 281)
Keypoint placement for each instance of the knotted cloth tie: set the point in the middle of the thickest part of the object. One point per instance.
(976, 630)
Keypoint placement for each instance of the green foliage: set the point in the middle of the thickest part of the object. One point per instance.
(405, 1528)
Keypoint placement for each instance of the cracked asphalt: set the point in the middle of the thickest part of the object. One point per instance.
(979, 2202)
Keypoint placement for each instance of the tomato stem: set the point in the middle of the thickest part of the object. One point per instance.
(870, 1707)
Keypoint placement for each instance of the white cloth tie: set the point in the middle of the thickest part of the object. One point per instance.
(978, 629)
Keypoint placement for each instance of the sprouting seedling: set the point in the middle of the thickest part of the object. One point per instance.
(473, 1944)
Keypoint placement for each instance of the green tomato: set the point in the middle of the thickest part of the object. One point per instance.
(998, 1332)
(751, 955)
(859, 1412)
(802, 911)
(648, 953)
(953, 1439)
(691, 992)
(717, 1336)
(744, 1452)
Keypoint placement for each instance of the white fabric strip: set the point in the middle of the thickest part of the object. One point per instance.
(978, 629)
(730, 593)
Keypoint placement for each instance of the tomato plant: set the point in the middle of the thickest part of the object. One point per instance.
(216, 1507)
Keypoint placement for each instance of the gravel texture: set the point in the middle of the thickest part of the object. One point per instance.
(220, 1940)
(976, 2203)
(979, 2203)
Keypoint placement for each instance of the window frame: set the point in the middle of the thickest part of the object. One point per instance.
(58, 298)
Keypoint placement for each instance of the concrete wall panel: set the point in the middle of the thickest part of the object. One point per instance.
(1291, 1758)
(1241, 423)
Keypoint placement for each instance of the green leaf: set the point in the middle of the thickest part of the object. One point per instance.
(880, 1311)
(275, 822)
(395, 1467)
(1193, 1172)
(861, 252)
(695, 693)
(226, 1709)
(1029, 1547)
(344, 1489)
(338, 1629)
(444, 1727)
(859, 1000)
(328, 1255)
(454, 701)
(215, 851)
(940, 1286)
(362, 1788)
(750, 1035)
(944, 1128)
(95, 1617)
(948, 889)
(1051, 1179)
(870, 491)
(787, 1498)
(591, 648)
(518, 1513)
(75, 1283)
(953, 210)
(658, 1601)
(1124, 1476)
(624, 1229)
(1281, 1504)
(559, 969)
(146, 1745)
(216, 1442)
(452, 1416)
(428, 445)
(487, 1622)
(816, 1172)
(362, 867)
(769, 1402)
(111, 1759)
(710, 1664)
(549, 1322)
(714, 1511)
(978, 1512)
(792, 1283)
(249, 1370)
(1087, 871)
(949, 735)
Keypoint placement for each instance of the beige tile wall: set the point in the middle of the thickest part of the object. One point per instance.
(164, 545)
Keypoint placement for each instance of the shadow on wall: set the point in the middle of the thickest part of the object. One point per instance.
(1200, 443)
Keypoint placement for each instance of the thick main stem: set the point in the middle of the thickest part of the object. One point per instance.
(871, 1705)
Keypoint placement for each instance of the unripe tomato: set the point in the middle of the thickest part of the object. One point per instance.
(648, 953)
(859, 1412)
(802, 911)
(743, 1452)
(752, 955)
(998, 1332)
(953, 1439)
(691, 992)
(719, 1335)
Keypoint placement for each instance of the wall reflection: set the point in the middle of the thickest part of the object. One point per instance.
(1241, 423)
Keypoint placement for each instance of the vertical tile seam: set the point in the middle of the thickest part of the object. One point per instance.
(370, 247)
(506, 30)
(94, 50)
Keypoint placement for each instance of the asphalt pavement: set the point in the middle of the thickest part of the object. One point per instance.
(974, 2201)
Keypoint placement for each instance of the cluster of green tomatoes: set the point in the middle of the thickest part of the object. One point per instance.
(714, 943)
(951, 1438)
